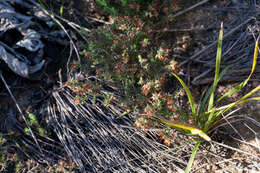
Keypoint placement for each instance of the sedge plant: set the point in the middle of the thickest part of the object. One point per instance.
(206, 115)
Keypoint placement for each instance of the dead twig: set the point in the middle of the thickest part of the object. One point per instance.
(215, 42)
(20, 111)
(190, 8)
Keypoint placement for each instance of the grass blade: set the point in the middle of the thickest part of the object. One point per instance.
(250, 99)
(241, 85)
(218, 60)
(211, 118)
(43, 5)
(61, 8)
(241, 100)
(124, 114)
(190, 98)
(192, 157)
(205, 99)
(200, 133)
(224, 107)
(193, 130)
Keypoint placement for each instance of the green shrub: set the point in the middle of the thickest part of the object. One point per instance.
(124, 56)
